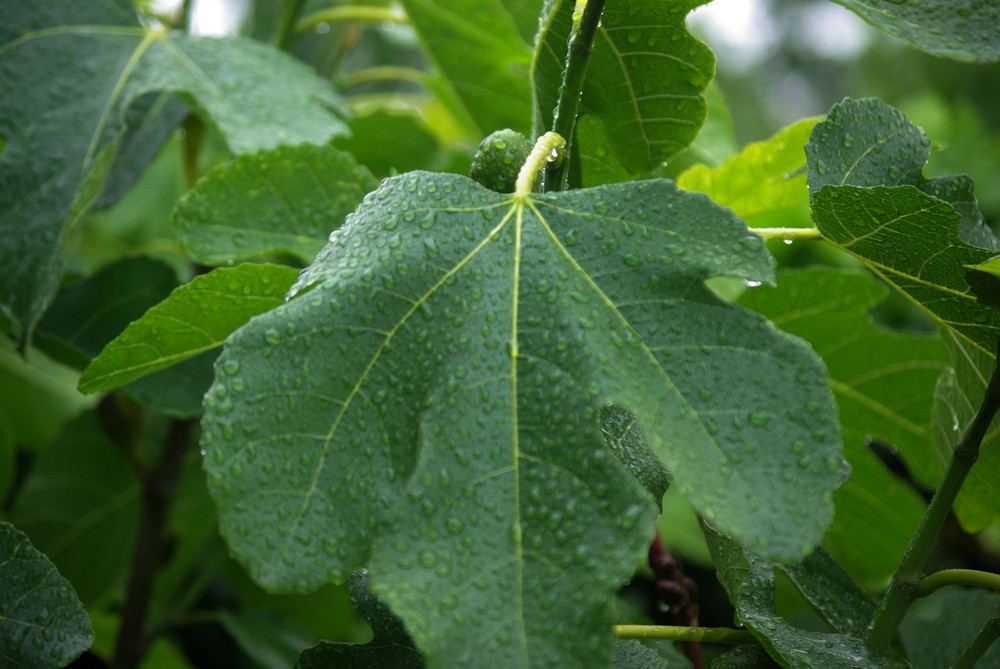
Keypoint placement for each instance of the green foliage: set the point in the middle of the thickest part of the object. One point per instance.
(970, 32)
(42, 622)
(97, 62)
(292, 198)
(469, 402)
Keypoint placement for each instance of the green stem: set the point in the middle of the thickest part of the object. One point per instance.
(905, 584)
(285, 33)
(789, 234)
(351, 14)
(675, 633)
(581, 46)
(384, 73)
(194, 134)
(973, 577)
(989, 633)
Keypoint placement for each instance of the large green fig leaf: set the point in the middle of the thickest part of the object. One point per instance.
(428, 403)
(957, 398)
(883, 381)
(968, 30)
(71, 71)
(42, 622)
(870, 199)
(645, 86)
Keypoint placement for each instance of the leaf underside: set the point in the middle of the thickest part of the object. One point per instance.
(970, 32)
(429, 404)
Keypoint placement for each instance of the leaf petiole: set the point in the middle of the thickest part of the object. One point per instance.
(789, 234)
(683, 633)
(546, 149)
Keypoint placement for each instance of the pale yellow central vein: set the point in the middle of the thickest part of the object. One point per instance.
(516, 455)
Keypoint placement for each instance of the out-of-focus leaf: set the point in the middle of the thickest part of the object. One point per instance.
(194, 319)
(941, 626)
(338, 421)
(968, 31)
(957, 397)
(645, 85)
(80, 506)
(764, 177)
(478, 47)
(149, 123)
(870, 199)
(37, 396)
(176, 391)
(87, 315)
(42, 622)
(285, 199)
(750, 583)
(405, 142)
(62, 135)
(883, 382)
(390, 646)
(273, 641)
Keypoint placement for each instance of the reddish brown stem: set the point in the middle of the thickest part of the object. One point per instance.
(678, 592)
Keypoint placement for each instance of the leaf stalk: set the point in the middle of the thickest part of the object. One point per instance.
(545, 149)
(581, 46)
(681, 633)
(905, 585)
(972, 577)
(789, 234)
(351, 14)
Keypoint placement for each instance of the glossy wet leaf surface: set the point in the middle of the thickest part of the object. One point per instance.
(61, 138)
(968, 31)
(195, 318)
(287, 199)
(428, 405)
(884, 384)
(750, 583)
(870, 199)
(957, 397)
(42, 623)
(644, 89)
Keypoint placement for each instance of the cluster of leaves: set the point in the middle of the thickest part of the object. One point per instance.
(478, 397)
